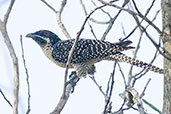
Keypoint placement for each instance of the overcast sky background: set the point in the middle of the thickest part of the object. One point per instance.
(46, 79)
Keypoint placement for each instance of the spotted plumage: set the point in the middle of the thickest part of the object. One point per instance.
(86, 49)
(87, 52)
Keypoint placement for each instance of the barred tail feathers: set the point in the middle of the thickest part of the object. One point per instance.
(123, 45)
(123, 58)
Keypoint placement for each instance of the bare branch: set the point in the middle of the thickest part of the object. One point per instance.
(74, 44)
(141, 33)
(14, 58)
(108, 103)
(58, 13)
(91, 19)
(122, 75)
(112, 21)
(99, 87)
(140, 74)
(61, 25)
(145, 18)
(27, 78)
(67, 87)
(143, 93)
(6, 16)
(6, 98)
(134, 13)
(48, 5)
(63, 100)
(92, 31)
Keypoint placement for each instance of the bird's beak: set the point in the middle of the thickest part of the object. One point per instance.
(40, 40)
(30, 35)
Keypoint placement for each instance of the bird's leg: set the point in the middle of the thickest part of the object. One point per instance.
(73, 79)
(91, 70)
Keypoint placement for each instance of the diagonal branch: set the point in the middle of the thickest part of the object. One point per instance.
(75, 42)
(110, 92)
(112, 21)
(58, 13)
(6, 98)
(67, 87)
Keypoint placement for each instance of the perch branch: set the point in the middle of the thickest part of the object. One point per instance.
(67, 89)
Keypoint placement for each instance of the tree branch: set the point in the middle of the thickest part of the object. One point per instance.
(6, 98)
(166, 38)
(27, 78)
(67, 87)
(107, 108)
(14, 58)
(58, 14)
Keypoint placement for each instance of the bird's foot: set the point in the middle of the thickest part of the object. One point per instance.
(73, 80)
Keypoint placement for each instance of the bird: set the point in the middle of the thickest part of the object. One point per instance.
(87, 52)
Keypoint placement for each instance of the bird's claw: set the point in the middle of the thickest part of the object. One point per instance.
(73, 80)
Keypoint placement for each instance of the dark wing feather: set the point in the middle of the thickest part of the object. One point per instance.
(86, 49)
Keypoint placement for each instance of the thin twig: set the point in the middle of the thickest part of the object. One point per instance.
(145, 18)
(141, 22)
(134, 13)
(48, 5)
(143, 93)
(61, 25)
(58, 13)
(121, 108)
(111, 89)
(155, 55)
(92, 31)
(100, 87)
(27, 78)
(138, 45)
(163, 52)
(112, 22)
(122, 75)
(92, 19)
(144, 71)
(108, 86)
(6, 98)
(141, 33)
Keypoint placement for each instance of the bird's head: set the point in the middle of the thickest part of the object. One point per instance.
(44, 37)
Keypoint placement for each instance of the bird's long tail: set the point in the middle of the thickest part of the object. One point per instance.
(120, 57)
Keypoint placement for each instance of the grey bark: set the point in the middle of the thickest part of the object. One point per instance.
(166, 38)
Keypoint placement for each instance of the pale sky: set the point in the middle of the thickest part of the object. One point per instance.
(46, 79)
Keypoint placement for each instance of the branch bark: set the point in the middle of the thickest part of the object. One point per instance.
(3, 29)
(166, 38)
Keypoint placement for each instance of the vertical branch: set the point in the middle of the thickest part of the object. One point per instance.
(111, 89)
(27, 78)
(61, 25)
(166, 38)
(14, 58)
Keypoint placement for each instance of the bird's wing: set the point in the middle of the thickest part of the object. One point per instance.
(86, 49)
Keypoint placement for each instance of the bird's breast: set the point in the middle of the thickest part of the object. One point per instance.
(48, 54)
